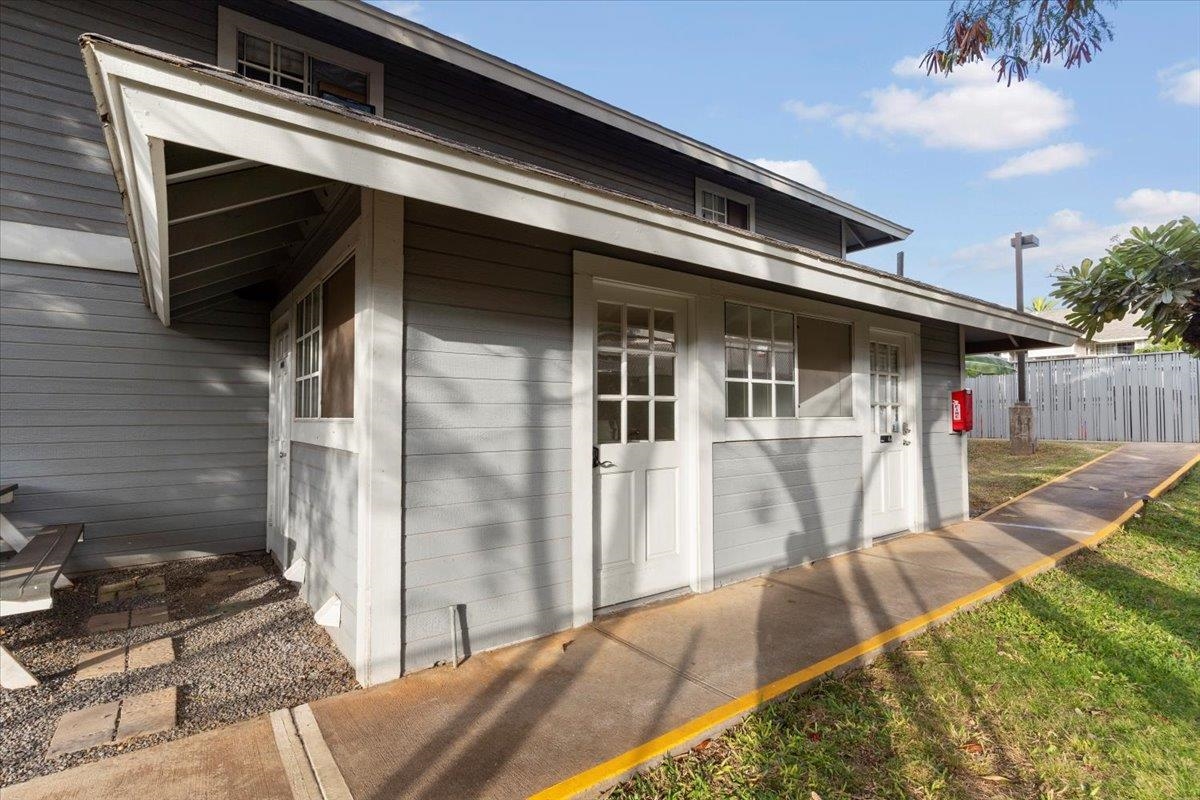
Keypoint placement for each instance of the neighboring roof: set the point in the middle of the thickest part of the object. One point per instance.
(1018, 322)
(1121, 330)
(405, 32)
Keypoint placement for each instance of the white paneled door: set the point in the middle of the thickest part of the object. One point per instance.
(643, 544)
(279, 439)
(891, 436)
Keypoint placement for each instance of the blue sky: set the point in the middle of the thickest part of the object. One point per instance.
(830, 94)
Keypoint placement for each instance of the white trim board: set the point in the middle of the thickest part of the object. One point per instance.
(144, 95)
(409, 34)
(43, 244)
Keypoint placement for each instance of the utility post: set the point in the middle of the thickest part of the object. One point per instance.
(1022, 439)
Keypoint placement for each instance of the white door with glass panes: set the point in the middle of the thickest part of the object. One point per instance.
(642, 525)
(890, 436)
(279, 437)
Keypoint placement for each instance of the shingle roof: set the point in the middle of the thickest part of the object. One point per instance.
(1121, 330)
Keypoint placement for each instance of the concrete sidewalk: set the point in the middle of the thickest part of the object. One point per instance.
(574, 712)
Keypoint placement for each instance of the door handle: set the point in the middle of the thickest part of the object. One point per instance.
(596, 462)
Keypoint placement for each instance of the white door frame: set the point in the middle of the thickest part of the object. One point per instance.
(589, 270)
(277, 533)
(915, 483)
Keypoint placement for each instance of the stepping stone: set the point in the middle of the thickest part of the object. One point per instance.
(114, 621)
(100, 663)
(111, 591)
(250, 572)
(88, 727)
(144, 714)
(150, 654)
(149, 615)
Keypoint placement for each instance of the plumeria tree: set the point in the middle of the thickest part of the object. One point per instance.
(1154, 273)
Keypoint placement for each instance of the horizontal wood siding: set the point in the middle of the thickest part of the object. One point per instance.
(153, 437)
(487, 432)
(55, 165)
(53, 160)
(780, 503)
(323, 530)
(942, 467)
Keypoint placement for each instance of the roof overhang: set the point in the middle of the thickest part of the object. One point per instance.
(873, 229)
(146, 98)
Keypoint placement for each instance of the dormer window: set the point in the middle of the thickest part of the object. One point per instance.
(718, 204)
(275, 55)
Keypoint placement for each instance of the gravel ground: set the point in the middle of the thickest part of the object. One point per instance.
(257, 652)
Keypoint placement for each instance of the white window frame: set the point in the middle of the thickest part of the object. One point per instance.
(703, 186)
(230, 22)
(773, 381)
(317, 296)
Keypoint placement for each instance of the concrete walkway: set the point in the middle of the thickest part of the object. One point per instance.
(574, 712)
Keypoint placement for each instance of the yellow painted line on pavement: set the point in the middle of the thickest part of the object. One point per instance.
(659, 745)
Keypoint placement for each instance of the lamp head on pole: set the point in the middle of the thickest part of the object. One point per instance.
(1025, 242)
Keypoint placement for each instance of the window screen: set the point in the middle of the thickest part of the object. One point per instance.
(337, 344)
(824, 368)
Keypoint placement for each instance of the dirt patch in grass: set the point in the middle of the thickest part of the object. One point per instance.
(996, 475)
(241, 649)
(1083, 682)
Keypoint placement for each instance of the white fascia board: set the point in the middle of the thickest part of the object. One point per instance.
(174, 103)
(418, 37)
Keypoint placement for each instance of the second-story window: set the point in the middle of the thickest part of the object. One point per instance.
(280, 65)
(281, 57)
(718, 204)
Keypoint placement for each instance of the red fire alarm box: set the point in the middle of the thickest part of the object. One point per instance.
(962, 411)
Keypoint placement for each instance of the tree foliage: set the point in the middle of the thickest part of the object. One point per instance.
(1039, 305)
(1019, 35)
(988, 365)
(1155, 273)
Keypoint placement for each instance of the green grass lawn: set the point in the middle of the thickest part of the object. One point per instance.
(1082, 682)
(997, 475)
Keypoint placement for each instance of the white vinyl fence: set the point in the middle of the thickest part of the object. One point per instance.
(1152, 397)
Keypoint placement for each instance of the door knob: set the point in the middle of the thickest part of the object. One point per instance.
(596, 462)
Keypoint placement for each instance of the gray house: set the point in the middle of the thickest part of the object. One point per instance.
(460, 346)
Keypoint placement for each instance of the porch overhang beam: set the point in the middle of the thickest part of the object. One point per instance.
(146, 97)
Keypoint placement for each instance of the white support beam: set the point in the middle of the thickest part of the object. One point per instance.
(240, 223)
(208, 258)
(207, 196)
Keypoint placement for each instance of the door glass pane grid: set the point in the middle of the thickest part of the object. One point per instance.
(885, 387)
(636, 350)
(760, 362)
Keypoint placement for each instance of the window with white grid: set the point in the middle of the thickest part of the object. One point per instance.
(280, 65)
(713, 206)
(308, 355)
(635, 374)
(760, 362)
(886, 387)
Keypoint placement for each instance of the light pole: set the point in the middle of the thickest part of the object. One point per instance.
(1021, 438)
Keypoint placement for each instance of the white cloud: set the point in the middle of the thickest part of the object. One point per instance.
(1156, 206)
(805, 112)
(1044, 161)
(968, 110)
(798, 170)
(1068, 237)
(1181, 84)
(409, 9)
